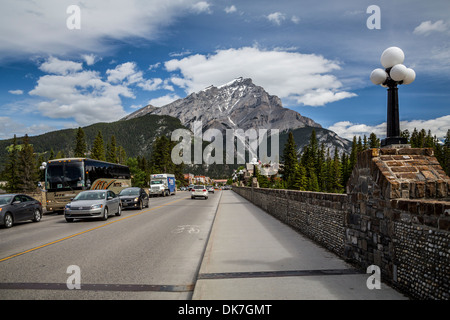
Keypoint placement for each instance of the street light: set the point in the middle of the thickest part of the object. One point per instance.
(395, 73)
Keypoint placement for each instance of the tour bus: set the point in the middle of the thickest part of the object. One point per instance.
(65, 178)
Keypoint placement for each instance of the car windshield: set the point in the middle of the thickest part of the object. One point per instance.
(129, 192)
(156, 182)
(5, 200)
(199, 187)
(91, 196)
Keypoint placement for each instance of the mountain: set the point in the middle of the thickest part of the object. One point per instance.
(237, 104)
(244, 105)
(329, 138)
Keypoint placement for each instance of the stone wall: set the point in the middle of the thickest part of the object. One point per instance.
(396, 215)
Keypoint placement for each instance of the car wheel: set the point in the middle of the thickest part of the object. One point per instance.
(141, 205)
(119, 211)
(8, 220)
(105, 214)
(192, 197)
(69, 219)
(37, 216)
(206, 198)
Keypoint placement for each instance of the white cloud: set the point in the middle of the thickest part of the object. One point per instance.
(82, 94)
(347, 130)
(201, 7)
(305, 78)
(438, 127)
(70, 92)
(9, 127)
(162, 101)
(427, 27)
(39, 27)
(16, 92)
(56, 66)
(295, 19)
(230, 9)
(154, 66)
(125, 71)
(276, 18)
(89, 58)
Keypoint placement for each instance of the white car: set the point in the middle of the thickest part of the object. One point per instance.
(199, 191)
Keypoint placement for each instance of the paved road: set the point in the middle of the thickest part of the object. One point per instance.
(179, 248)
(153, 253)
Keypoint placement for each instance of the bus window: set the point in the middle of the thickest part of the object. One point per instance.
(64, 176)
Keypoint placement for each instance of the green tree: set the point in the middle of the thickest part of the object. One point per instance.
(12, 167)
(336, 185)
(98, 148)
(111, 150)
(121, 155)
(28, 174)
(80, 144)
(446, 154)
(374, 142)
(138, 176)
(290, 159)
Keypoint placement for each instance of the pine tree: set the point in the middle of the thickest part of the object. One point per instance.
(336, 185)
(160, 160)
(28, 174)
(374, 142)
(354, 154)
(98, 149)
(289, 158)
(12, 167)
(80, 144)
(111, 150)
(446, 154)
(52, 154)
(121, 155)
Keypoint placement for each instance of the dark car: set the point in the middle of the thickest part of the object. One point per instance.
(18, 207)
(133, 197)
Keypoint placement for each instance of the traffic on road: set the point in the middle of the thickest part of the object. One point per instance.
(158, 247)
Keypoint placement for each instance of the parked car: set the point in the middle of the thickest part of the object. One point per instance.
(18, 207)
(210, 189)
(199, 191)
(93, 204)
(133, 197)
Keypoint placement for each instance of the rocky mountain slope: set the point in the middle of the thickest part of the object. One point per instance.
(237, 104)
(240, 104)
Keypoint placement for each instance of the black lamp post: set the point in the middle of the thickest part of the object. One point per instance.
(395, 73)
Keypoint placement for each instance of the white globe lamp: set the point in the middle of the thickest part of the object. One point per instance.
(398, 72)
(392, 56)
(378, 76)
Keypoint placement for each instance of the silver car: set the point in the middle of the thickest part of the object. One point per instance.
(199, 191)
(93, 204)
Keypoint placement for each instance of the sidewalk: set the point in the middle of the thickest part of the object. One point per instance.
(251, 255)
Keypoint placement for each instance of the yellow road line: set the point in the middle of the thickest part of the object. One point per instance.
(86, 231)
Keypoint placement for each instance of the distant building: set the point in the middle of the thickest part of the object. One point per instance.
(189, 177)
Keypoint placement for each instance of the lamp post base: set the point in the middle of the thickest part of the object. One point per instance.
(395, 142)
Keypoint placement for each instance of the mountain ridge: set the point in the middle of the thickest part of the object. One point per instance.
(237, 104)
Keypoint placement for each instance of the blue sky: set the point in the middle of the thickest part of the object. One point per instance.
(316, 56)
